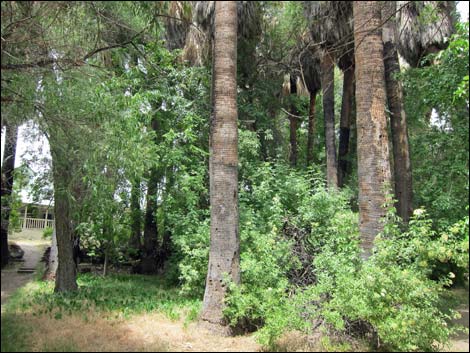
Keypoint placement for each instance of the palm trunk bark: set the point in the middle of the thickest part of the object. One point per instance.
(401, 149)
(345, 125)
(372, 138)
(224, 253)
(328, 86)
(311, 128)
(8, 166)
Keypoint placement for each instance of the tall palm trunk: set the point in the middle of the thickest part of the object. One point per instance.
(224, 253)
(311, 128)
(8, 166)
(328, 86)
(401, 148)
(345, 123)
(372, 139)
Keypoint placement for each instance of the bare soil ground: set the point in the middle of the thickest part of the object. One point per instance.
(460, 343)
(147, 333)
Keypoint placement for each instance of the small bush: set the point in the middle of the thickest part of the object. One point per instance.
(47, 232)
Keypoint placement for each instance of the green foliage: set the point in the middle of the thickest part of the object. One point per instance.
(14, 200)
(440, 147)
(47, 232)
(280, 199)
(390, 297)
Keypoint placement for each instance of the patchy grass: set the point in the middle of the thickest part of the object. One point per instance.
(116, 295)
(34, 314)
(115, 313)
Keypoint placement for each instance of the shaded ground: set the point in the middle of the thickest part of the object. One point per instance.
(460, 343)
(33, 246)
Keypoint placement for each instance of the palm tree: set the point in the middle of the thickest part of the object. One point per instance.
(346, 64)
(401, 155)
(331, 30)
(195, 36)
(303, 79)
(415, 37)
(372, 139)
(418, 35)
(224, 252)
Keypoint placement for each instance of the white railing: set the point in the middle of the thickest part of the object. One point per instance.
(36, 223)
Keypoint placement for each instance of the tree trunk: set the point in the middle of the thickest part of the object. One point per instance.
(293, 137)
(224, 253)
(135, 242)
(66, 269)
(105, 266)
(345, 125)
(401, 148)
(8, 166)
(150, 246)
(311, 128)
(372, 139)
(328, 87)
(62, 172)
(53, 260)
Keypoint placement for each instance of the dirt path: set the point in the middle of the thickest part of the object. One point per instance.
(460, 343)
(11, 279)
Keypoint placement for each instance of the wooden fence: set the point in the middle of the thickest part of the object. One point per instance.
(36, 223)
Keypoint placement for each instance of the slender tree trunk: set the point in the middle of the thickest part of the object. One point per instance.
(8, 167)
(135, 242)
(328, 87)
(224, 253)
(311, 128)
(345, 124)
(150, 246)
(372, 138)
(401, 148)
(293, 137)
(53, 260)
(105, 266)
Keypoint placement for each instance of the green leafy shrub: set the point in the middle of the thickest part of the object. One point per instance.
(286, 214)
(47, 232)
(390, 298)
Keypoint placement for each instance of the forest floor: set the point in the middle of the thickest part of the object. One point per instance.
(154, 331)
